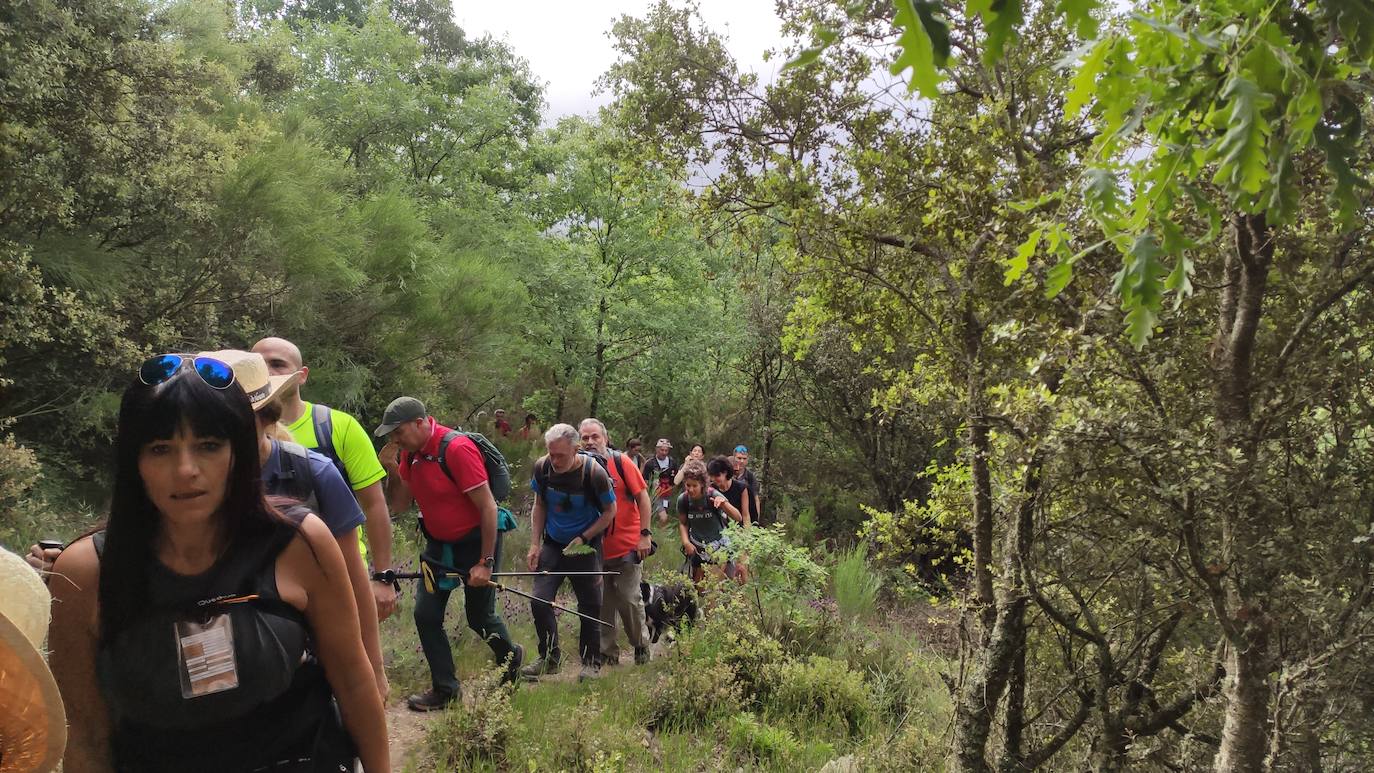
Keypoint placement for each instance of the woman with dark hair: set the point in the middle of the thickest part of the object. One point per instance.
(204, 629)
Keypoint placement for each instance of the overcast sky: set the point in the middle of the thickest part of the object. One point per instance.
(566, 45)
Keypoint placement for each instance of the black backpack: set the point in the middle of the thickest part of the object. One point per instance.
(498, 472)
(588, 490)
(296, 478)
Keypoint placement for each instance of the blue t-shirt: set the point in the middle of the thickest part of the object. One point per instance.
(572, 502)
(334, 502)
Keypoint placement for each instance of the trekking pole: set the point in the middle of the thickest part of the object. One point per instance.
(395, 577)
(547, 573)
(559, 607)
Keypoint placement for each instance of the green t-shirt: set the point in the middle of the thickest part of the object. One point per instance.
(351, 444)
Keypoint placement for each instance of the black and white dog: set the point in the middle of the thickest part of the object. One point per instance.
(667, 607)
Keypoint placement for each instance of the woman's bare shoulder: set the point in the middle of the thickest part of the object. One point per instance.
(76, 570)
(77, 564)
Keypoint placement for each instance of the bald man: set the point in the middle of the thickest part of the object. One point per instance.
(348, 446)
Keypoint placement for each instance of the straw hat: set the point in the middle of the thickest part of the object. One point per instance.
(33, 726)
(250, 371)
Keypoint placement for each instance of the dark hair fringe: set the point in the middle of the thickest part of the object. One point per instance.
(148, 413)
(720, 465)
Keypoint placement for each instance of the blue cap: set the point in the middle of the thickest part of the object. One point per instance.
(741, 450)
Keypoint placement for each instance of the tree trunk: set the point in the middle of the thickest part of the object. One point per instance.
(994, 643)
(766, 469)
(599, 382)
(1244, 731)
(977, 704)
(1248, 570)
(1013, 751)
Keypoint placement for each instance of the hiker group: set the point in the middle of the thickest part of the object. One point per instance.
(227, 612)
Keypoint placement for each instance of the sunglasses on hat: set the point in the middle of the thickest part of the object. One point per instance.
(163, 367)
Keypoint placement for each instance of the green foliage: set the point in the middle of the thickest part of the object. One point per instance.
(1282, 96)
(783, 569)
(734, 636)
(923, 539)
(693, 694)
(589, 740)
(821, 690)
(924, 43)
(760, 743)
(912, 748)
(477, 731)
(19, 473)
(855, 585)
(801, 524)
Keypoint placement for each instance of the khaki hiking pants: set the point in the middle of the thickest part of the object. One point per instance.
(623, 606)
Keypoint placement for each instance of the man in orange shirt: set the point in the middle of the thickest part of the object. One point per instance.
(626, 545)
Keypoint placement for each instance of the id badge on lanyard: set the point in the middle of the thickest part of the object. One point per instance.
(206, 652)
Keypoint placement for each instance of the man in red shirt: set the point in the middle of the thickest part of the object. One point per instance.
(460, 532)
(626, 545)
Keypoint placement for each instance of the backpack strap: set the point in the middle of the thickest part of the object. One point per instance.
(720, 513)
(296, 473)
(541, 476)
(616, 456)
(588, 490)
(324, 438)
(442, 458)
(444, 443)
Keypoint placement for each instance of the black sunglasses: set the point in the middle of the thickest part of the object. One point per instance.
(163, 367)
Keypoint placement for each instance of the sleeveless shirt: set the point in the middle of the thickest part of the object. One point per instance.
(280, 716)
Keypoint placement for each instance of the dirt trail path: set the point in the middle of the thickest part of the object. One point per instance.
(405, 730)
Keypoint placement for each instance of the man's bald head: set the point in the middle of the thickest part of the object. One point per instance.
(283, 359)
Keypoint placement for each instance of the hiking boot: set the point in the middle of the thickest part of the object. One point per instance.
(514, 660)
(540, 667)
(589, 671)
(432, 700)
(641, 655)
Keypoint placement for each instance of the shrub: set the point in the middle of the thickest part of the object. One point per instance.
(803, 629)
(802, 527)
(912, 748)
(761, 743)
(822, 690)
(692, 694)
(855, 584)
(589, 741)
(904, 681)
(19, 472)
(925, 539)
(780, 568)
(731, 635)
(467, 735)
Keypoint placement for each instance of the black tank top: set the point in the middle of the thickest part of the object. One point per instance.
(280, 717)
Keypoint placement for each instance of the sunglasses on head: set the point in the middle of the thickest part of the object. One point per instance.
(163, 367)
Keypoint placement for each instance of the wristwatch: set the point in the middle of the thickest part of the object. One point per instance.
(489, 562)
(645, 533)
(388, 577)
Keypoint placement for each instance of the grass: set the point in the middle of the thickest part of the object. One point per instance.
(855, 585)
